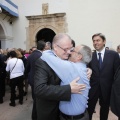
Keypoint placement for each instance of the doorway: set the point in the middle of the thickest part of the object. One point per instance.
(44, 27)
(45, 34)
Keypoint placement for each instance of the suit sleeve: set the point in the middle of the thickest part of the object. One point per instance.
(116, 62)
(46, 85)
(27, 67)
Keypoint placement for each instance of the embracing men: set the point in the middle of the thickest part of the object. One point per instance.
(47, 84)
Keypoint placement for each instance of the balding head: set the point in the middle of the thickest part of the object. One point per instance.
(61, 45)
(59, 38)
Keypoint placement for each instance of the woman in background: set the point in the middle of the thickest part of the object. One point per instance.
(16, 68)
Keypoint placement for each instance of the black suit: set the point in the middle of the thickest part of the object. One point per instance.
(48, 92)
(30, 70)
(30, 67)
(2, 76)
(115, 94)
(101, 82)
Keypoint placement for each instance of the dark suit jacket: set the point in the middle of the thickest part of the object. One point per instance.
(3, 58)
(115, 94)
(105, 76)
(48, 92)
(2, 75)
(30, 67)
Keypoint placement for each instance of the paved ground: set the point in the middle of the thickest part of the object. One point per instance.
(19, 112)
(23, 112)
(110, 117)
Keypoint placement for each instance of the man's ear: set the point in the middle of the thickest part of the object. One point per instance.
(80, 57)
(104, 41)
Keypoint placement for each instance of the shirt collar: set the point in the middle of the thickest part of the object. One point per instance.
(54, 53)
(39, 51)
(102, 51)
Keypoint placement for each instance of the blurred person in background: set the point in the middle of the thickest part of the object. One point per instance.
(48, 46)
(30, 70)
(16, 68)
(34, 48)
(2, 75)
(20, 55)
(118, 50)
(26, 54)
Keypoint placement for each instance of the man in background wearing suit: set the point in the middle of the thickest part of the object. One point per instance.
(30, 70)
(118, 50)
(104, 64)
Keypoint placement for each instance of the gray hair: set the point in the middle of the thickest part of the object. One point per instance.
(86, 53)
(48, 46)
(48, 43)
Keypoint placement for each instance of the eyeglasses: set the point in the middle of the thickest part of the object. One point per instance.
(76, 51)
(66, 49)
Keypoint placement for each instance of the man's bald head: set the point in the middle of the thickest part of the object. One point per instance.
(61, 45)
(60, 38)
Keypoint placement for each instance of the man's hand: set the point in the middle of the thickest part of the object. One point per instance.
(75, 87)
(89, 73)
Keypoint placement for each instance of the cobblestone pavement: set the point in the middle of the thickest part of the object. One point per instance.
(23, 112)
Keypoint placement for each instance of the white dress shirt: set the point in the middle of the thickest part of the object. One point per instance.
(102, 53)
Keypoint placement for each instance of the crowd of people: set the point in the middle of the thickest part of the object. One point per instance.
(66, 80)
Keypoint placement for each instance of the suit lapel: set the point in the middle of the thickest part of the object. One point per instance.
(95, 60)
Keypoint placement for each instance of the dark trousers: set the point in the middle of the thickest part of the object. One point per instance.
(2, 85)
(18, 81)
(34, 111)
(104, 105)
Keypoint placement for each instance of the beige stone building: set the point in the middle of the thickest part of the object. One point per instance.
(42, 19)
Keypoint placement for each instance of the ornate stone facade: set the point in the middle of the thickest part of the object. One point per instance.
(55, 22)
(45, 9)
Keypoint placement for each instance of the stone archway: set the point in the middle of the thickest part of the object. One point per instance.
(55, 22)
(2, 36)
(5, 38)
(45, 34)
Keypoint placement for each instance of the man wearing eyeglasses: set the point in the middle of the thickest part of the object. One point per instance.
(47, 84)
(68, 70)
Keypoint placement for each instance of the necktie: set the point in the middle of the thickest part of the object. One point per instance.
(100, 60)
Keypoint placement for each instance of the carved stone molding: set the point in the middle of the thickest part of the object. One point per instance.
(45, 8)
(55, 22)
(5, 38)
